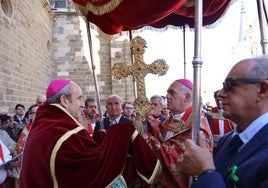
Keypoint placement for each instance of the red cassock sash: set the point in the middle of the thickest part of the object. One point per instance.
(21, 143)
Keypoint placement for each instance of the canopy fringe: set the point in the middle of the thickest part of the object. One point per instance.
(98, 10)
(219, 20)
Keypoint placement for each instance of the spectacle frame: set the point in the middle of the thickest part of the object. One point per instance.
(229, 83)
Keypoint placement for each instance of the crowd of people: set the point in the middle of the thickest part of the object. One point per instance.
(72, 145)
(14, 130)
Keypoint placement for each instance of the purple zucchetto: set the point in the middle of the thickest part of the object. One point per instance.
(55, 86)
(186, 82)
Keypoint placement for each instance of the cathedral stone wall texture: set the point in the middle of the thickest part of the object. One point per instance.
(38, 45)
(26, 60)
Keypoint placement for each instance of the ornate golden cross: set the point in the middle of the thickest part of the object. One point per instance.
(139, 70)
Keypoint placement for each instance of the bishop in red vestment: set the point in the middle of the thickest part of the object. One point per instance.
(167, 138)
(59, 151)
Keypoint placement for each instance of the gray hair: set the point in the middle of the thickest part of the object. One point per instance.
(161, 99)
(260, 67)
(116, 96)
(66, 90)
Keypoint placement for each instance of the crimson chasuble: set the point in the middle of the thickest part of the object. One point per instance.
(21, 143)
(60, 153)
(170, 149)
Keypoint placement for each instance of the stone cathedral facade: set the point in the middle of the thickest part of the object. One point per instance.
(41, 40)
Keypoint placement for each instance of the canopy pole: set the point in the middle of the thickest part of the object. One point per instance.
(263, 26)
(93, 67)
(184, 51)
(132, 62)
(197, 64)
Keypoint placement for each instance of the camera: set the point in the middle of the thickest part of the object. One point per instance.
(4, 118)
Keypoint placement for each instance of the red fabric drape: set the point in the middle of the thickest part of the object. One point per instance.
(135, 14)
(81, 161)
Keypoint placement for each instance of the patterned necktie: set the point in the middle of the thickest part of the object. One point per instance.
(227, 155)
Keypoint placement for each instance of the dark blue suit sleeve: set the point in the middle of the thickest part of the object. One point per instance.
(209, 180)
(264, 184)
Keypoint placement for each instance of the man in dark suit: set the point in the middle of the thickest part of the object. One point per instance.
(245, 101)
(19, 116)
(114, 112)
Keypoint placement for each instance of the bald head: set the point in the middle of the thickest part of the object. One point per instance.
(41, 99)
(179, 96)
(252, 68)
(245, 91)
(3, 111)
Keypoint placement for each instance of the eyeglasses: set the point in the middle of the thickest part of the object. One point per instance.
(229, 83)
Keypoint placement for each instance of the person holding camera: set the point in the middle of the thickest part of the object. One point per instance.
(11, 127)
(4, 136)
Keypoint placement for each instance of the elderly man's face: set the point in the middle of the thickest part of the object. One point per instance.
(242, 96)
(76, 105)
(176, 97)
(114, 107)
(156, 105)
(41, 99)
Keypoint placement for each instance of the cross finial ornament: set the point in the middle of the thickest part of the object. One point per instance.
(139, 70)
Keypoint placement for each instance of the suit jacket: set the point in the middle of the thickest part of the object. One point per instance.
(252, 163)
(16, 119)
(106, 123)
